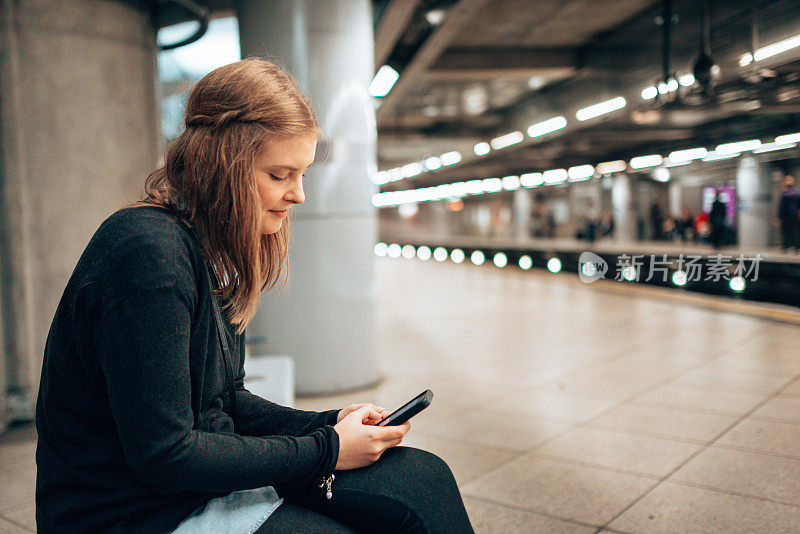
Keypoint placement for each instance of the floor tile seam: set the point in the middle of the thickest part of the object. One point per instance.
(528, 510)
(701, 450)
(718, 389)
(724, 491)
(516, 452)
(15, 523)
(709, 411)
(646, 434)
(467, 441)
(581, 463)
(739, 448)
(774, 419)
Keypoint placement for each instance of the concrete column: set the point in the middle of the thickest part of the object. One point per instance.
(325, 316)
(624, 216)
(79, 126)
(754, 199)
(522, 205)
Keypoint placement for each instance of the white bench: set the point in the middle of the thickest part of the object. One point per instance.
(270, 377)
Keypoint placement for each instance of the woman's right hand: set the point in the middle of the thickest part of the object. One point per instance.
(361, 444)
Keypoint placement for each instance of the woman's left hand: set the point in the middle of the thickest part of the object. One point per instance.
(353, 407)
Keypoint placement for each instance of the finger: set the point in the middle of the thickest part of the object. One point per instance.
(366, 412)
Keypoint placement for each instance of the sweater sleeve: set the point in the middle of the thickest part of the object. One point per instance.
(256, 416)
(142, 342)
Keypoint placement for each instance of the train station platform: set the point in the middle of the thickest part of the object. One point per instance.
(568, 407)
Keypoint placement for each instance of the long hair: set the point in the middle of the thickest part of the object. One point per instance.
(208, 177)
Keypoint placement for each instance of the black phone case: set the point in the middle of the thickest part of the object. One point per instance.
(409, 409)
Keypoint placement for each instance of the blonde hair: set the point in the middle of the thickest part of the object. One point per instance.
(208, 176)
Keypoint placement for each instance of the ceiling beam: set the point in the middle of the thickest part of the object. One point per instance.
(457, 16)
(392, 25)
(481, 63)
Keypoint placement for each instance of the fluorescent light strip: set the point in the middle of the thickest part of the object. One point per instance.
(772, 147)
(600, 109)
(738, 147)
(511, 183)
(643, 162)
(688, 154)
(531, 179)
(555, 176)
(450, 158)
(507, 140)
(788, 138)
(545, 127)
(383, 81)
(770, 50)
(608, 167)
(481, 149)
(580, 172)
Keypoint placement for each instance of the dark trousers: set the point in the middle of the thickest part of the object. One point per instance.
(407, 490)
(789, 232)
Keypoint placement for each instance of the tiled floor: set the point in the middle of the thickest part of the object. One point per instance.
(562, 407)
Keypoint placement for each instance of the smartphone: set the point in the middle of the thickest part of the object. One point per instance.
(408, 410)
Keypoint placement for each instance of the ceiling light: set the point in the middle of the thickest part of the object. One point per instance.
(788, 138)
(394, 251)
(600, 109)
(770, 50)
(408, 251)
(608, 167)
(661, 174)
(531, 179)
(555, 176)
(738, 147)
(546, 127)
(525, 262)
(507, 140)
(477, 257)
(688, 154)
(424, 253)
(440, 254)
(737, 284)
(672, 85)
(474, 187)
(380, 249)
(457, 255)
(580, 172)
(411, 170)
(649, 92)
(662, 88)
(554, 265)
(713, 156)
(642, 162)
(450, 158)
(511, 183)
(481, 149)
(687, 80)
(380, 178)
(433, 163)
(435, 16)
(458, 189)
(500, 260)
(383, 81)
(492, 185)
(772, 147)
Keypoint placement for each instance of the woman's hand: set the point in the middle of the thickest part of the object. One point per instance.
(353, 407)
(361, 444)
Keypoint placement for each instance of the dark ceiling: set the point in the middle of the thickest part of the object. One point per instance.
(492, 67)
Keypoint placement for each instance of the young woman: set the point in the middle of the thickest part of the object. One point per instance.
(143, 419)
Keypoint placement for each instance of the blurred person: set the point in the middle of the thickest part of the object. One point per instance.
(536, 225)
(607, 224)
(717, 222)
(144, 423)
(684, 226)
(789, 215)
(668, 228)
(702, 229)
(656, 221)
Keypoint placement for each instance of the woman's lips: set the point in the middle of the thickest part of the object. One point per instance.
(279, 213)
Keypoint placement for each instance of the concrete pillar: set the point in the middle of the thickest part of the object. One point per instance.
(624, 215)
(79, 126)
(325, 316)
(754, 200)
(522, 205)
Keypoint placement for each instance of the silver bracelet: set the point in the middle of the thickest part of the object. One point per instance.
(327, 483)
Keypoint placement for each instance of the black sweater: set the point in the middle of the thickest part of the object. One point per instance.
(131, 414)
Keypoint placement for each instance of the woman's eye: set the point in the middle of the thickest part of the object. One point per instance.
(278, 178)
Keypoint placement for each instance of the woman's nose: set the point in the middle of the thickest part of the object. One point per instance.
(295, 193)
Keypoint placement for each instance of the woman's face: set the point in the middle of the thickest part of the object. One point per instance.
(279, 169)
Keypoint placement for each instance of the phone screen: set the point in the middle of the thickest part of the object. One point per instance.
(409, 409)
